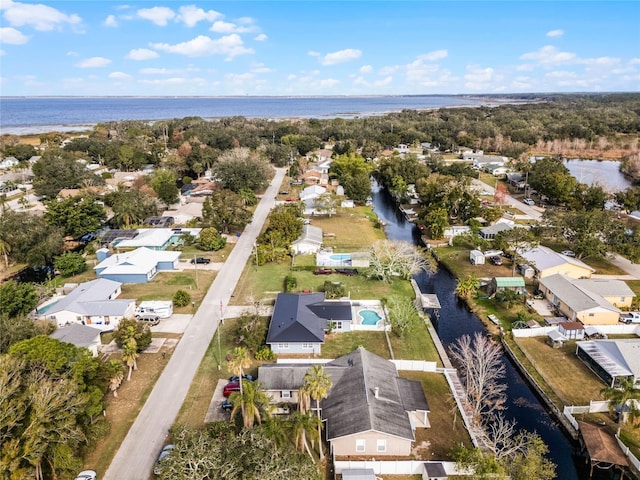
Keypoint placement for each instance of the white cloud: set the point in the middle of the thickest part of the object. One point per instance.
(166, 81)
(142, 54)
(110, 21)
(119, 75)
(228, 27)
(526, 67)
(190, 15)
(601, 62)
(483, 79)
(366, 69)
(200, 46)
(634, 61)
(326, 83)
(313, 53)
(41, 17)
(239, 78)
(555, 33)
(158, 15)
(71, 53)
(435, 55)
(389, 69)
(341, 56)
(260, 38)
(93, 62)
(12, 36)
(261, 68)
(2, 53)
(159, 71)
(549, 55)
(383, 82)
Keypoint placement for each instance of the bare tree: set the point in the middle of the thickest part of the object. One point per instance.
(501, 437)
(479, 362)
(389, 258)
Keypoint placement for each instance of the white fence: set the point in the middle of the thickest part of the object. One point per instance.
(618, 329)
(371, 328)
(415, 365)
(532, 332)
(393, 467)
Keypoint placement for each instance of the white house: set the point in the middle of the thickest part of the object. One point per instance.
(8, 163)
(81, 336)
(138, 266)
(90, 303)
(312, 192)
(309, 242)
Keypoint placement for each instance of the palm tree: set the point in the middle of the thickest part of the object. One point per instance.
(5, 250)
(130, 354)
(304, 399)
(468, 286)
(239, 361)
(624, 395)
(252, 401)
(317, 383)
(303, 426)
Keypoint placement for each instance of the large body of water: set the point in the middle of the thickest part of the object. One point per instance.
(605, 173)
(44, 114)
(456, 320)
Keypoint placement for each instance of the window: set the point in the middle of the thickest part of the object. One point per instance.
(283, 346)
(381, 445)
(592, 314)
(360, 445)
(307, 346)
(337, 325)
(285, 394)
(623, 299)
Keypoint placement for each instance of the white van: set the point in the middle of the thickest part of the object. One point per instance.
(163, 309)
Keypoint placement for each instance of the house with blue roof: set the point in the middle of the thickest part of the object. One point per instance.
(138, 266)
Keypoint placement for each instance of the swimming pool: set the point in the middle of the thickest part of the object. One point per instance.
(46, 308)
(369, 317)
(340, 257)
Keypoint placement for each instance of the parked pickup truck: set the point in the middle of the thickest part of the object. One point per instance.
(630, 317)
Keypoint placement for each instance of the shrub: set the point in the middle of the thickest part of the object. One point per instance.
(290, 283)
(265, 354)
(251, 331)
(69, 264)
(334, 289)
(181, 298)
(130, 327)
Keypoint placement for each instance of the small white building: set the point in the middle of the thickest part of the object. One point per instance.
(476, 257)
(309, 242)
(161, 308)
(81, 336)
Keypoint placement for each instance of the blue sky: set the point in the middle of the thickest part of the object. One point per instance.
(219, 48)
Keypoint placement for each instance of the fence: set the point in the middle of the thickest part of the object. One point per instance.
(393, 467)
(415, 365)
(618, 329)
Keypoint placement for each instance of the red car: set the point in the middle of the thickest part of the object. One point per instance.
(322, 271)
(229, 388)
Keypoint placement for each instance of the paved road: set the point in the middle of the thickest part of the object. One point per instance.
(533, 213)
(139, 450)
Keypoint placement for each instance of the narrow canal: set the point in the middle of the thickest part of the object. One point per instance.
(455, 321)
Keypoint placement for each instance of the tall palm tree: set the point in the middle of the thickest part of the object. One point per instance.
(304, 426)
(317, 383)
(239, 361)
(304, 399)
(5, 250)
(624, 395)
(252, 401)
(130, 354)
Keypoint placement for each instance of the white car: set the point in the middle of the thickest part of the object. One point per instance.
(529, 201)
(87, 475)
(568, 253)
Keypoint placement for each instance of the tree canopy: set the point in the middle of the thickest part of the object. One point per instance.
(76, 215)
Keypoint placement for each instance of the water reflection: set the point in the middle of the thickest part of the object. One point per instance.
(595, 172)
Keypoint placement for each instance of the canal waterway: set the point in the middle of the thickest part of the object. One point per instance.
(456, 320)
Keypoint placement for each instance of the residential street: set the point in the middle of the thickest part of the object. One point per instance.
(139, 450)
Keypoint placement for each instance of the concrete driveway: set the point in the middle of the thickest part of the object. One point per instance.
(139, 450)
(176, 323)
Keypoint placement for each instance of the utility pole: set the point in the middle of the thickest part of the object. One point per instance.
(195, 264)
(218, 331)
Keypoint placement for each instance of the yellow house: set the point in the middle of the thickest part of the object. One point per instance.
(584, 300)
(548, 262)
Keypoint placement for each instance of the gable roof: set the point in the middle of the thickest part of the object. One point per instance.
(506, 282)
(140, 260)
(577, 298)
(310, 234)
(92, 298)
(543, 258)
(495, 228)
(605, 287)
(77, 334)
(366, 397)
(312, 192)
(619, 358)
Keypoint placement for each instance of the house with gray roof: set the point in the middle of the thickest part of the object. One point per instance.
(299, 322)
(547, 262)
(612, 360)
(490, 232)
(92, 303)
(369, 411)
(579, 300)
(310, 241)
(80, 335)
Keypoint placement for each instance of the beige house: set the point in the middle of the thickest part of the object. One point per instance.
(583, 300)
(370, 411)
(547, 262)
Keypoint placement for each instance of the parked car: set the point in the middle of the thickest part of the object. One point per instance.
(226, 405)
(630, 317)
(322, 271)
(229, 388)
(204, 260)
(166, 450)
(149, 319)
(529, 201)
(349, 272)
(87, 475)
(248, 378)
(495, 260)
(568, 253)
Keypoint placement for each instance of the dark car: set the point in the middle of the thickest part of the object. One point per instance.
(495, 260)
(201, 260)
(248, 378)
(157, 470)
(349, 272)
(229, 388)
(226, 405)
(322, 271)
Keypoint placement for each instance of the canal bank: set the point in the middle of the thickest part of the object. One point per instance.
(455, 320)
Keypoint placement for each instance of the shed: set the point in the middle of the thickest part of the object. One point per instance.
(499, 284)
(434, 471)
(359, 474)
(79, 335)
(476, 257)
(556, 339)
(309, 242)
(526, 270)
(572, 330)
